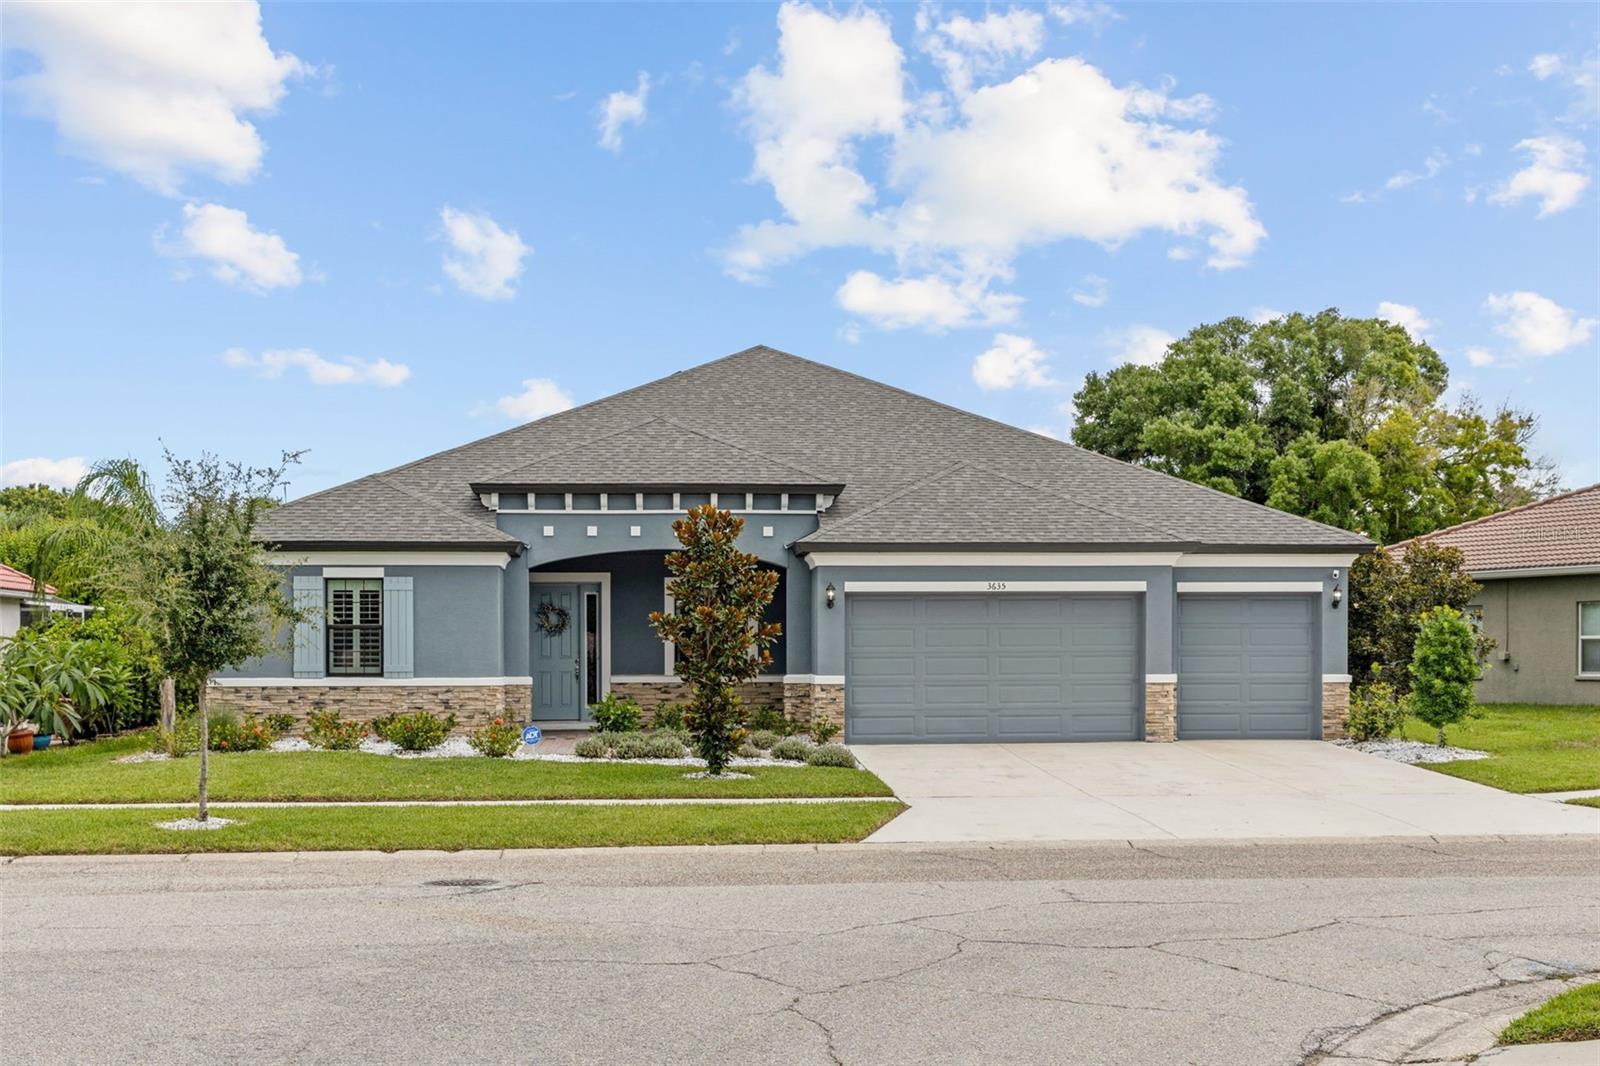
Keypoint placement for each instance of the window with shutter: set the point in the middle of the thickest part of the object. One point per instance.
(355, 626)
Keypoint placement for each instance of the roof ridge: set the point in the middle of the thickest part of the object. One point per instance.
(440, 508)
(1498, 514)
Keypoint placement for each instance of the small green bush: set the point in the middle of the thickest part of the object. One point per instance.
(1376, 712)
(229, 733)
(616, 715)
(183, 739)
(823, 730)
(496, 740)
(665, 746)
(590, 748)
(668, 716)
(768, 718)
(632, 746)
(748, 750)
(680, 735)
(1444, 668)
(831, 755)
(764, 739)
(416, 731)
(325, 730)
(279, 724)
(791, 749)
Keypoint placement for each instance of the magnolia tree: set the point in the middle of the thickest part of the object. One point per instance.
(719, 594)
(1389, 592)
(1444, 668)
(201, 579)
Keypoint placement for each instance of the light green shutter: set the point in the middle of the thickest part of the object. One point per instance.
(397, 627)
(308, 642)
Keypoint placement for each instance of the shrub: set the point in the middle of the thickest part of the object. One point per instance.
(325, 730)
(748, 750)
(229, 733)
(1376, 712)
(182, 739)
(791, 749)
(279, 724)
(1444, 667)
(416, 731)
(680, 735)
(496, 740)
(831, 755)
(665, 746)
(590, 748)
(764, 739)
(768, 718)
(822, 730)
(632, 746)
(668, 716)
(616, 715)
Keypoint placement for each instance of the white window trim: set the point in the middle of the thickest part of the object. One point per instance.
(997, 587)
(352, 571)
(603, 579)
(357, 682)
(1180, 560)
(1248, 586)
(1583, 637)
(669, 650)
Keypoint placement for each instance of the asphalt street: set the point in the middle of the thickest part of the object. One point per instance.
(1228, 954)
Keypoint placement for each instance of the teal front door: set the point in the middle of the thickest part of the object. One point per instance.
(556, 658)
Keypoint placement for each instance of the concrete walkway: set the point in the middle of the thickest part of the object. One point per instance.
(1574, 1053)
(1208, 790)
(1562, 797)
(242, 804)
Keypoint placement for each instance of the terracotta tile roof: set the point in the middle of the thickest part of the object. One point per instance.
(14, 580)
(1559, 532)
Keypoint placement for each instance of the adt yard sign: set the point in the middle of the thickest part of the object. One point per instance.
(531, 735)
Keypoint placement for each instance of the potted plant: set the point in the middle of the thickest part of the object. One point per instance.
(18, 730)
(50, 684)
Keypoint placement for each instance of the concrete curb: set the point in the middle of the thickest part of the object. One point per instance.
(1562, 797)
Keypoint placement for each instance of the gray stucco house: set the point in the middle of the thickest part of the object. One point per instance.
(944, 577)
(1539, 566)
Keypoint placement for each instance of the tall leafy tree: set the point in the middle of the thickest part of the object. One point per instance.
(719, 596)
(1389, 592)
(1338, 419)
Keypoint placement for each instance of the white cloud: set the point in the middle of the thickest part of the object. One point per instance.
(1479, 357)
(964, 47)
(1536, 324)
(1581, 76)
(239, 254)
(932, 302)
(488, 258)
(973, 174)
(1431, 167)
(1179, 254)
(1094, 293)
(539, 397)
(57, 473)
(620, 109)
(1091, 13)
(1144, 345)
(1046, 431)
(152, 90)
(1406, 317)
(346, 370)
(1555, 174)
(1262, 315)
(1544, 65)
(1012, 361)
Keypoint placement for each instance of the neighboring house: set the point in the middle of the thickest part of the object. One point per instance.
(20, 605)
(944, 577)
(1539, 566)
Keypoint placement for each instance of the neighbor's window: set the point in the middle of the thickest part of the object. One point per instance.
(1589, 639)
(355, 626)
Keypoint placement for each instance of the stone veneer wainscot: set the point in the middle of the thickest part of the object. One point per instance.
(473, 705)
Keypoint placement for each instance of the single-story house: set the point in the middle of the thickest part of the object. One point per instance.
(943, 577)
(21, 606)
(1539, 566)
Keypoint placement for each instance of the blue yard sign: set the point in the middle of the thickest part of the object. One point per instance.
(531, 735)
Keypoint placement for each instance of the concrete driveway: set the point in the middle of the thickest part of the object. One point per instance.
(1195, 790)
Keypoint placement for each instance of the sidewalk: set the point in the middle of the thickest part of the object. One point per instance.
(241, 804)
(1573, 1053)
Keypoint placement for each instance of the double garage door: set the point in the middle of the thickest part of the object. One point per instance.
(1019, 667)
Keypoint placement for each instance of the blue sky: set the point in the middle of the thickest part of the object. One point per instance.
(376, 231)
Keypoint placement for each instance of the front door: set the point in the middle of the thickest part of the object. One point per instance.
(556, 655)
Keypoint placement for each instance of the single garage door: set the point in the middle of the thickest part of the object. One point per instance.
(992, 667)
(1246, 667)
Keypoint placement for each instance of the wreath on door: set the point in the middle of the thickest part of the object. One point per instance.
(552, 619)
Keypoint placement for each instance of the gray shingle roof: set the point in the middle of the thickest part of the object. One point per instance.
(656, 452)
(874, 439)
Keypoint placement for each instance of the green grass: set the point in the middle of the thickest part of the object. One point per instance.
(85, 773)
(121, 832)
(1573, 1015)
(1590, 801)
(1535, 748)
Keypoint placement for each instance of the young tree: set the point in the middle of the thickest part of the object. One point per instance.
(1389, 591)
(1444, 669)
(201, 579)
(719, 595)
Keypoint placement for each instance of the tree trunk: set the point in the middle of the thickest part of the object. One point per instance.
(1442, 744)
(168, 690)
(203, 701)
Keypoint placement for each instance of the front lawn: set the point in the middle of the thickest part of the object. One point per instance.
(121, 832)
(1573, 1015)
(1586, 801)
(86, 773)
(1534, 747)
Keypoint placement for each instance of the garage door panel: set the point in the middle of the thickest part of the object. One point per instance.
(1266, 686)
(993, 667)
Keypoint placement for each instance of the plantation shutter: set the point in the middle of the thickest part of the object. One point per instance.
(397, 628)
(308, 647)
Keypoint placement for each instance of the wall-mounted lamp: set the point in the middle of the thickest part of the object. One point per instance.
(830, 592)
(1338, 595)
